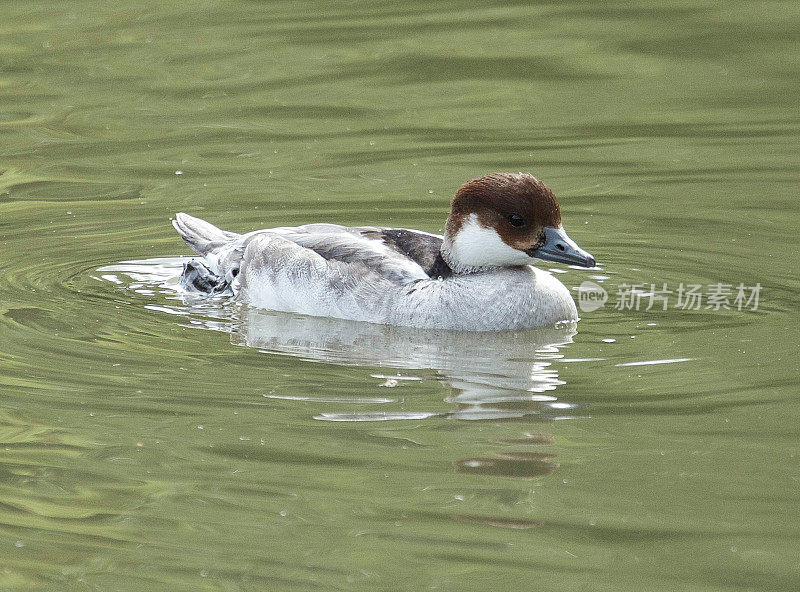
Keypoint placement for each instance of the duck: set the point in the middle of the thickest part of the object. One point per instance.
(478, 276)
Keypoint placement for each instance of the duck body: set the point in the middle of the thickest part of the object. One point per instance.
(477, 277)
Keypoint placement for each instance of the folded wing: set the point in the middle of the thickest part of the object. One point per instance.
(399, 256)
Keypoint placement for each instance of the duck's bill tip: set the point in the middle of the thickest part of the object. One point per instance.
(559, 248)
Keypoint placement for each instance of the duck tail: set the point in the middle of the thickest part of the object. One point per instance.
(201, 236)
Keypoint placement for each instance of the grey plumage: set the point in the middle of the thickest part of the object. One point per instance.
(398, 255)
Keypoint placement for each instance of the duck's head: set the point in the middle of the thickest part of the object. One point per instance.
(506, 220)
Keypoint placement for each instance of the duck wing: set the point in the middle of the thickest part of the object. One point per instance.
(399, 255)
(423, 248)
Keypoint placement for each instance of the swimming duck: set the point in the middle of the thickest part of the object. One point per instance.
(477, 277)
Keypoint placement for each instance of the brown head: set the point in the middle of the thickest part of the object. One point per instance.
(507, 219)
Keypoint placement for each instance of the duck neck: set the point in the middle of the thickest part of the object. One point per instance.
(449, 252)
(470, 247)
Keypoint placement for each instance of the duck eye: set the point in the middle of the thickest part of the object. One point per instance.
(516, 221)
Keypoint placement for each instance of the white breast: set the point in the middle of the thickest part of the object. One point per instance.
(505, 299)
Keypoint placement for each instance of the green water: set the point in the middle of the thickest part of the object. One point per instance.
(156, 443)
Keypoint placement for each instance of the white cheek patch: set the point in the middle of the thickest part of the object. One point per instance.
(477, 246)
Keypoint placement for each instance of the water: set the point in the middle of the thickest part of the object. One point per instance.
(153, 442)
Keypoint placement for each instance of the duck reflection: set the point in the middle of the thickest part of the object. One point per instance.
(525, 463)
(515, 463)
(492, 376)
(502, 376)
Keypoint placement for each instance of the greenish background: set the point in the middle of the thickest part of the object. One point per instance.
(141, 452)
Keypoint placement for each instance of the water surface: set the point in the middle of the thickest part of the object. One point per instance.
(155, 442)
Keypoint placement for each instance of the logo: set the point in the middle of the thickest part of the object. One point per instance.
(591, 296)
